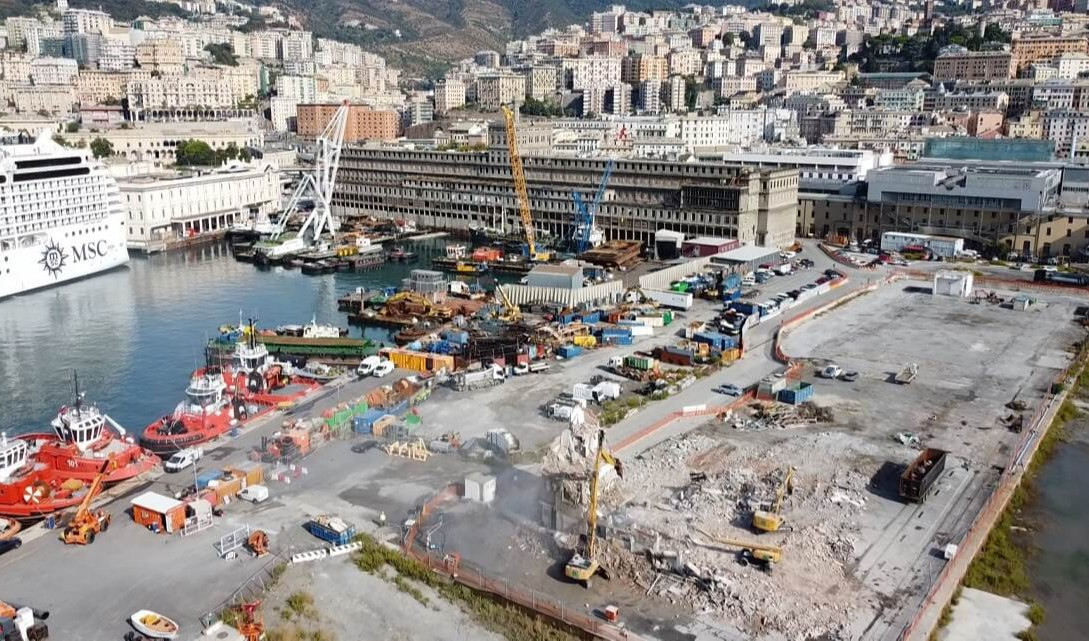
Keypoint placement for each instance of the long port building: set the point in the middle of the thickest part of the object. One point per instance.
(458, 190)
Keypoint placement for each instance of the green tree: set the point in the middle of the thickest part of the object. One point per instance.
(110, 101)
(691, 92)
(728, 39)
(71, 127)
(222, 53)
(195, 153)
(533, 107)
(101, 148)
(60, 140)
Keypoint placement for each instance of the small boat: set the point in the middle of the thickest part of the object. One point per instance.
(9, 528)
(320, 372)
(154, 625)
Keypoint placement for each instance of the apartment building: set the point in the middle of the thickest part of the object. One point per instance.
(299, 88)
(449, 94)
(970, 101)
(116, 55)
(1028, 48)
(53, 71)
(541, 81)
(160, 54)
(457, 190)
(591, 71)
(53, 99)
(96, 87)
(364, 123)
(86, 21)
(975, 65)
(1061, 94)
(640, 67)
(804, 81)
(1064, 127)
(157, 141)
(495, 89)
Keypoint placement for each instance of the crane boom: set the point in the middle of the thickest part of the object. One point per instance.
(519, 175)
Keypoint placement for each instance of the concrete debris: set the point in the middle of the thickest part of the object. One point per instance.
(907, 438)
(700, 481)
(761, 415)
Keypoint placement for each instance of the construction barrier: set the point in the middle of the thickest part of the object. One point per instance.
(340, 550)
(1010, 284)
(311, 555)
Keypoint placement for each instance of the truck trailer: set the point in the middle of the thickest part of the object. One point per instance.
(918, 479)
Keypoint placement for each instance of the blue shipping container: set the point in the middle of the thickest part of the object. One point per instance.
(328, 534)
(569, 351)
(361, 425)
(745, 308)
(796, 395)
(623, 340)
(207, 477)
(399, 409)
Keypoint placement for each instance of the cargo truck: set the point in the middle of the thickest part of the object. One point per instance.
(918, 479)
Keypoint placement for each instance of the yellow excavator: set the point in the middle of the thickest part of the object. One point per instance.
(771, 520)
(583, 565)
(86, 524)
(749, 553)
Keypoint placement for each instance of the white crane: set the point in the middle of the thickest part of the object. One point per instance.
(318, 185)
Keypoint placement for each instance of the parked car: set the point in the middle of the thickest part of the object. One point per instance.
(8, 545)
(831, 371)
(729, 389)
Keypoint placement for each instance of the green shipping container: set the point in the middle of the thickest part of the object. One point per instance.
(639, 362)
(360, 408)
(667, 318)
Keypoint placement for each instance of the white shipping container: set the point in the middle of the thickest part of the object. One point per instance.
(480, 487)
(945, 246)
(582, 392)
(641, 330)
(651, 321)
(679, 300)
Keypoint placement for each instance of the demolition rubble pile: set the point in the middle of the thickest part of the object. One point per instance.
(763, 415)
(696, 484)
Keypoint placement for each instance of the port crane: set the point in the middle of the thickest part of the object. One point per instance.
(317, 185)
(511, 312)
(520, 189)
(771, 520)
(585, 233)
(583, 564)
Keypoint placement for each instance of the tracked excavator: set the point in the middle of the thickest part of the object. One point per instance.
(584, 565)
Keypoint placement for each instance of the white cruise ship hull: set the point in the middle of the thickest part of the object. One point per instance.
(62, 254)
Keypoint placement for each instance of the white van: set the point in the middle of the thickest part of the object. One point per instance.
(366, 368)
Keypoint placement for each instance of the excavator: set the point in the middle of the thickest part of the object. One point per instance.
(22, 623)
(771, 520)
(583, 565)
(86, 524)
(756, 554)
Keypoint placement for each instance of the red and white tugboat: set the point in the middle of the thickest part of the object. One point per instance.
(81, 443)
(30, 490)
(260, 379)
(209, 410)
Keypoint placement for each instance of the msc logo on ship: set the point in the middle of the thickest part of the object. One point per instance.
(54, 258)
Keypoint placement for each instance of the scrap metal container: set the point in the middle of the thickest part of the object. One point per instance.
(331, 528)
(796, 394)
(918, 479)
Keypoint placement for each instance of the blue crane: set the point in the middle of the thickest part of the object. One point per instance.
(584, 216)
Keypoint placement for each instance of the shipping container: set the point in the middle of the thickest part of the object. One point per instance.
(205, 478)
(796, 394)
(674, 356)
(640, 362)
(587, 341)
(383, 424)
(678, 300)
(568, 351)
(624, 340)
(918, 479)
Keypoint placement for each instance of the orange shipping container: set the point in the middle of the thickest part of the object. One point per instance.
(228, 489)
(151, 510)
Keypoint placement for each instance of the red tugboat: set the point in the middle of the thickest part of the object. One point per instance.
(80, 444)
(219, 399)
(30, 490)
(209, 410)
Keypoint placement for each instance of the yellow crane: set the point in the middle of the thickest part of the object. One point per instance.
(758, 554)
(512, 313)
(583, 564)
(771, 520)
(86, 524)
(520, 189)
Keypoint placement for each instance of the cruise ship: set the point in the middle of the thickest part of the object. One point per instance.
(61, 216)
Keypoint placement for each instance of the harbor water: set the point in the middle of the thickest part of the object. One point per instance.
(1059, 562)
(135, 334)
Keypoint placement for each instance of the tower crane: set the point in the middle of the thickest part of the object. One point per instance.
(520, 189)
(771, 520)
(583, 564)
(584, 231)
(317, 185)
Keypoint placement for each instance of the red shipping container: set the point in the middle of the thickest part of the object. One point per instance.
(523, 359)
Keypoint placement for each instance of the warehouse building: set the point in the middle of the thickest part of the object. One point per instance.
(459, 190)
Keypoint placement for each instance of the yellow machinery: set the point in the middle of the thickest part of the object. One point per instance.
(512, 313)
(771, 520)
(520, 189)
(583, 564)
(762, 556)
(86, 524)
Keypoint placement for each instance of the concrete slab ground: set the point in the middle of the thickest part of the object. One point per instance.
(982, 615)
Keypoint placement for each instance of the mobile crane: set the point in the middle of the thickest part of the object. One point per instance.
(511, 312)
(771, 520)
(86, 524)
(520, 189)
(583, 564)
(757, 554)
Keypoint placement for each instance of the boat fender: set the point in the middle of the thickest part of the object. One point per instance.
(255, 382)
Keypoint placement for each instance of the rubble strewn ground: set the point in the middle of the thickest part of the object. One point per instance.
(856, 559)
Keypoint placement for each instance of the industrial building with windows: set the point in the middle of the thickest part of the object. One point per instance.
(454, 190)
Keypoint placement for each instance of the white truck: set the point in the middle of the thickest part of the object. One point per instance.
(183, 459)
(479, 379)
